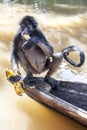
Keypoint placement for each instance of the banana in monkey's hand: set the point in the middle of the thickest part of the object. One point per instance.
(15, 78)
(25, 36)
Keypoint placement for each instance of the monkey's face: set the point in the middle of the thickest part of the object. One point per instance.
(27, 30)
(27, 25)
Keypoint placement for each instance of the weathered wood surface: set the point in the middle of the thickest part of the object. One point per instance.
(70, 98)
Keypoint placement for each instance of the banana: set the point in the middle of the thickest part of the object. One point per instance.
(15, 78)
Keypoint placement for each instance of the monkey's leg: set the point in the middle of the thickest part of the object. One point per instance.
(57, 59)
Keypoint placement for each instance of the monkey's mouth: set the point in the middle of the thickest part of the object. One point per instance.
(25, 36)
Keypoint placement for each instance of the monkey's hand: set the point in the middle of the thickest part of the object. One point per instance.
(15, 78)
(28, 44)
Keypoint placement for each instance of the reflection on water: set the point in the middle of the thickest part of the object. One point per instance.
(22, 113)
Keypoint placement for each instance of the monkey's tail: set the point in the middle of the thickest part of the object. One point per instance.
(74, 48)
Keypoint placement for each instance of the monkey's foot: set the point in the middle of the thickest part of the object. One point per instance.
(53, 82)
(27, 78)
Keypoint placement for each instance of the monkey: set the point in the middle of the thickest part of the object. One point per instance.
(35, 54)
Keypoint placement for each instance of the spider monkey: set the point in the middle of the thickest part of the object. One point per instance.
(36, 54)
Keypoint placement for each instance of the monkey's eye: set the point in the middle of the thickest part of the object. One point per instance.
(29, 27)
(23, 26)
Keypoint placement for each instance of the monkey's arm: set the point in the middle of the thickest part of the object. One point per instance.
(14, 60)
(15, 47)
(45, 47)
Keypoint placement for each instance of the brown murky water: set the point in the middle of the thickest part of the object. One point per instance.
(23, 113)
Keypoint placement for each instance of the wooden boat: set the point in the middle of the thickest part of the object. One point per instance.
(69, 98)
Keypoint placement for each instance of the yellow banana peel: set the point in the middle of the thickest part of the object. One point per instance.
(18, 84)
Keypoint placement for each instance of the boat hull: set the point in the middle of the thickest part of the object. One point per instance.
(67, 97)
